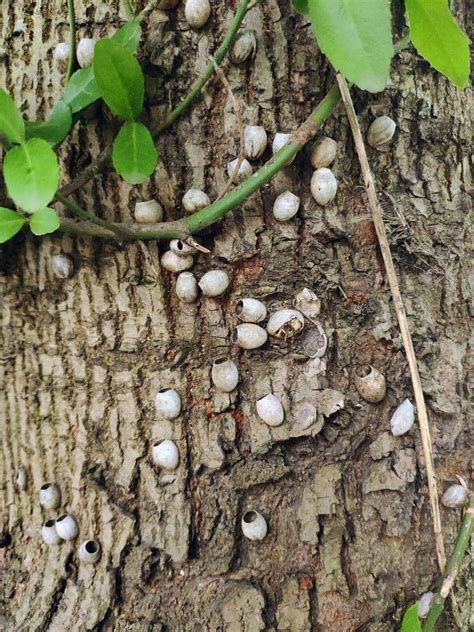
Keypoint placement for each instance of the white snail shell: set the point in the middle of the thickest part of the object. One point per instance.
(305, 416)
(50, 496)
(270, 410)
(225, 375)
(403, 418)
(66, 527)
(370, 383)
(195, 200)
(323, 186)
(279, 141)
(250, 310)
(244, 46)
(49, 533)
(181, 248)
(323, 153)
(254, 525)
(85, 52)
(307, 303)
(285, 323)
(454, 496)
(186, 287)
(168, 403)
(62, 266)
(245, 169)
(166, 454)
(214, 283)
(62, 52)
(286, 206)
(381, 131)
(249, 336)
(89, 552)
(148, 212)
(424, 604)
(197, 12)
(176, 263)
(255, 141)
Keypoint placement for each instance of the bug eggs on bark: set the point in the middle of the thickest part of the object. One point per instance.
(197, 12)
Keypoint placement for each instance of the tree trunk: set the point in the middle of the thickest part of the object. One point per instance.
(350, 540)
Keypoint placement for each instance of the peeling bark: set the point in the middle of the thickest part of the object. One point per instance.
(350, 541)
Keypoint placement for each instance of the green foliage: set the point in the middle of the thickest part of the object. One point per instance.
(31, 173)
(128, 36)
(438, 38)
(44, 221)
(119, 78)
(134, 153)
(356, 38)
(55, 128)
(10, 224)
(81, 90)
(301, 6)
(12, 125)
(411, 622)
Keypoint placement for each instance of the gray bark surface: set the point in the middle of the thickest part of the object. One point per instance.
(350, 540)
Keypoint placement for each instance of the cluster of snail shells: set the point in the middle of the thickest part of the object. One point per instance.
(63, 528)
(323, 181)
(165, 453)
(212, 284)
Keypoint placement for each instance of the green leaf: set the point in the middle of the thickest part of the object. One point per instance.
(134, 153)
(356, 38)
(81, 90)
(10, 224)
(55, 128)
(411, 622)
(120, 79)
(438, 38)
(44, 221)
(11, 121)
(31, 172)
(128, 36)
(301, 6)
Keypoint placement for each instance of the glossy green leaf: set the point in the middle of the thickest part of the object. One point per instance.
(411, 622)
(55, 128)
(128, 36)
(12, 125)
(301, 6)
(10, 224)
(438, 38)
(120, 79)
(31, 172)
(44, 221)
(356, 37)
(134, 153)
(81, 90)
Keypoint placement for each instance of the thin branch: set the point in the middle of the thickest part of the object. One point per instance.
(240, 125)
(103, 158)
(128, 9)
(147, 10)
(194, 223)
(452, 567)
(401, 316)
(72, 39)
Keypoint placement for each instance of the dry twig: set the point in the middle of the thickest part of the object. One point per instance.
(401, 316)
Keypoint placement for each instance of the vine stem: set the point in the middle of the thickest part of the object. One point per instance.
(182, 229)
(401, 316)
(103, 158)
(452, 567)
(72, 38)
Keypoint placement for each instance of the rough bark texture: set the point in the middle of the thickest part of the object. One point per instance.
(350, 542)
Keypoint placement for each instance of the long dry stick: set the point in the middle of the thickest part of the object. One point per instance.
(240, 126)
(401, 316)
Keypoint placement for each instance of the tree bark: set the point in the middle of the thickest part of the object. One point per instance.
(350, 540)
